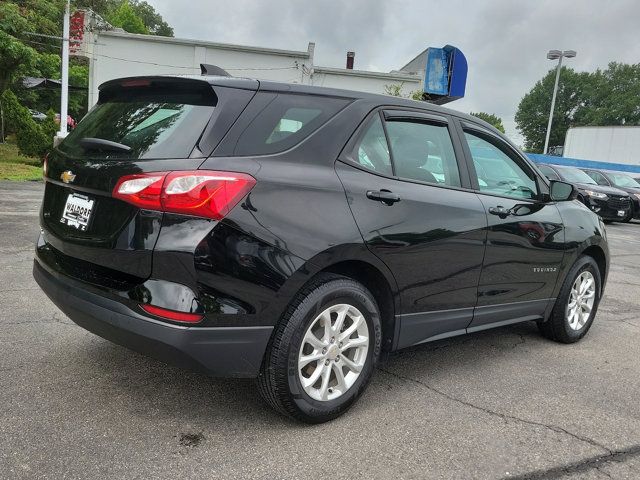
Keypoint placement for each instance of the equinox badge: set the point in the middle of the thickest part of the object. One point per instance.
(67, 176)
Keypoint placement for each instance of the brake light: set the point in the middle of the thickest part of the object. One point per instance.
(172, 315)
(45, 165)
(138, 82)
(201, 193)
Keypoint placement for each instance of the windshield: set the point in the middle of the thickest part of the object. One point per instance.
(154, 121)
(574, 175)
(621, 180)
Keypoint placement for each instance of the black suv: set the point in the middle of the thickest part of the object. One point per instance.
(622, 182)
(612, 204)
(299, 234)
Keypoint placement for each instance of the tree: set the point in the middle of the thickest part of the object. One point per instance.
(604, 97)
(491, 119)
(151, 19)
(614, 96)
(13, 52)
(126, 18)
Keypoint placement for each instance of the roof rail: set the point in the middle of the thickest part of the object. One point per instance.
(206, 69)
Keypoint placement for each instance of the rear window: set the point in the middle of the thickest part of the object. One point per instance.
(156, 120)
(285, 121)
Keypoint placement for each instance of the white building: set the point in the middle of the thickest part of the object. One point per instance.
(114, 53)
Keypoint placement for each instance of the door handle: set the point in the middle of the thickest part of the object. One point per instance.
(500, 211)
(384, 196)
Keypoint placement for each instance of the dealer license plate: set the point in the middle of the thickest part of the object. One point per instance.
(621, 213)
(77, 211)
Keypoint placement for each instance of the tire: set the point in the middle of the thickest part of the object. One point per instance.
(563, 327)
(280, 381)
(629, 217)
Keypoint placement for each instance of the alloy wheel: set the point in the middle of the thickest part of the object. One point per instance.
(333, 352)
(581, 300)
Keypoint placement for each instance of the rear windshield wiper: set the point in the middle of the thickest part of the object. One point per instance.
(103, 145)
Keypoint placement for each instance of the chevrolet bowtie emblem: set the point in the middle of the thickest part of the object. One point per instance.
(67, 176)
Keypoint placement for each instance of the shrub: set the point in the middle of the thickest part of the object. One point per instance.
(33, 139)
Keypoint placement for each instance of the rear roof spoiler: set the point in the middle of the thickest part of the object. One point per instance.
(206, 69)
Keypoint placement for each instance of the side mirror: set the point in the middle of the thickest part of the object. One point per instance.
(562, 191)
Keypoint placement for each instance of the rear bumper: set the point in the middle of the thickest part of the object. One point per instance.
(216, 351)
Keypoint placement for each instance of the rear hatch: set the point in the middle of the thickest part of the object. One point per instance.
(139, 125)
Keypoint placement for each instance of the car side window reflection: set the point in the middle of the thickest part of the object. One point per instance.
(423, 151)
(548, 172)
(372, 151)
(598, 177)
(497, 172)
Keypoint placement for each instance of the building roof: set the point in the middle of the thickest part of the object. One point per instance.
(201, 43)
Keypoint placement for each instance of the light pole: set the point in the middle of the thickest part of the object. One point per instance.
(553, 55)
(64, 97)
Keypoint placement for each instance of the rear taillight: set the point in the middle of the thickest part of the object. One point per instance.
(201, 193)
(45, 165)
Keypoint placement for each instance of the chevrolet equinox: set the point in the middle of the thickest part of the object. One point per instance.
(298, 234)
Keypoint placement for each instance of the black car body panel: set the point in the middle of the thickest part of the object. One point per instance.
(437, 260)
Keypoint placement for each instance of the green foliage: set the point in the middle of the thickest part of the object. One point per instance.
(26, 55)
(125, 17)
(33, 139)
(604, 97)
(395, 90)
(9, 153)
(13, 52)
(614, 97)
(151, 19)
(491, 119)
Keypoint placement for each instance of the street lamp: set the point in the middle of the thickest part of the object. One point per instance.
(555, 55)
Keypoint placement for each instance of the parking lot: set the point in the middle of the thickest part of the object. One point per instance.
(504, 403)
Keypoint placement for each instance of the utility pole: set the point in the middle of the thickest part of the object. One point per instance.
(64, 96)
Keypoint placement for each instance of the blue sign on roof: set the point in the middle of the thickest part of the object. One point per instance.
(445, 74)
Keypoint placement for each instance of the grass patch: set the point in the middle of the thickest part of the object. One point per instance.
(19, 172)
(9, 154)
(14, 166)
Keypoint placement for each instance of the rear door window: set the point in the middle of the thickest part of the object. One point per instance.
(423, 151)
(286, 121)
(372, 151)
(154, 120)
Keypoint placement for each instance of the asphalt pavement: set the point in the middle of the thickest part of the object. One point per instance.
(498, 404)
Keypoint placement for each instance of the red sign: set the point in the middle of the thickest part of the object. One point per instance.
(76, 33)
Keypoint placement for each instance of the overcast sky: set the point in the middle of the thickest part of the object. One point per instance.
(505, 41)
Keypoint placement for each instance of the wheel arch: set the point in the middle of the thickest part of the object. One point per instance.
(376, 282)
(597, 253)
(354, 261)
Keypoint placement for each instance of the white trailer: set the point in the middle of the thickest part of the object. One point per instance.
(604, 144)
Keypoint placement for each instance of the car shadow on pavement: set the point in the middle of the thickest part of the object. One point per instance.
(145, 387)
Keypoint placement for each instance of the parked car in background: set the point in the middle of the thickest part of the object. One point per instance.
(297, 234)
(612, 204)
(37, 115)
(621, 181)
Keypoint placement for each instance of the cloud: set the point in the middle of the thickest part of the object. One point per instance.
(505, 42)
